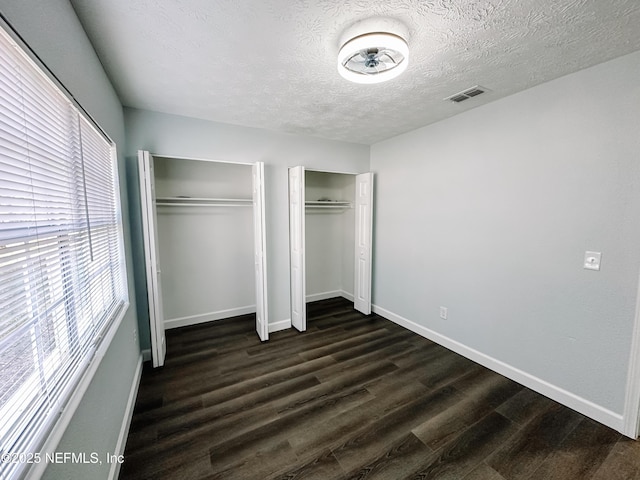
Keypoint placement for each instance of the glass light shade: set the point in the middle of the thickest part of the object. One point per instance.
(373, 58)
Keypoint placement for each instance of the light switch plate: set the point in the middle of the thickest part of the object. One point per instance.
(592, 260)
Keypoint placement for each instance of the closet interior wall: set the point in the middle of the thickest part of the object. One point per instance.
(329, 234)
(206, 250)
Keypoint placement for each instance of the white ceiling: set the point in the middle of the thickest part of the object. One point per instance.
(272, 63)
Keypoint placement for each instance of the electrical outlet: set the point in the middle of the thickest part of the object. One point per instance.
(592, 260)
(135, 334)
(444, 311)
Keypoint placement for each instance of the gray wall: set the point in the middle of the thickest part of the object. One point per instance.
(188, 137)
(490, 213)
(329, 236)
(206, 254)
(51, 28)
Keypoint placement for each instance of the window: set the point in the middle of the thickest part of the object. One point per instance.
(62, 280)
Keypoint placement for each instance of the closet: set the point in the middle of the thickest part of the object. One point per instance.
(204, 240)
(330, 229)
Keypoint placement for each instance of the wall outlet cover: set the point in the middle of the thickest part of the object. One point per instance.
(592, 260)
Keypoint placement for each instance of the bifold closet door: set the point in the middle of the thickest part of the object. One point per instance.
(364, 236)
(296, 248)
(150, 234)
(262, 316)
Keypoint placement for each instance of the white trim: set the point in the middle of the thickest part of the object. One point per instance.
(220, 315)
(571, 400)
(347, 295)
(326, 295)
(69, 410)
(208, 317)
(126, 420)
(314, 297)
(280, 325)
(286, 324)
(631, 412)
(260, 251)
(297, 261)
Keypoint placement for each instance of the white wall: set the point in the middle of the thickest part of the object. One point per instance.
(52, 29)
(323, 253)
(490, 213)
(329, 236)
(206, 253)
(188, 137)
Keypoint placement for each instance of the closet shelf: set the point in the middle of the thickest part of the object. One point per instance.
(328, 204)
(203, 202)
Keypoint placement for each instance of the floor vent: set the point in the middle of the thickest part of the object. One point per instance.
(467, 94)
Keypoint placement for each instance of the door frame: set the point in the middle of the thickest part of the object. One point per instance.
(297, 263)
(154, 288)
(260, 251)
(363, 258)
(151, 253)
(631, 411)
(297, 228)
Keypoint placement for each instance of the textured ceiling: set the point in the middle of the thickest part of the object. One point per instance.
(272, 63)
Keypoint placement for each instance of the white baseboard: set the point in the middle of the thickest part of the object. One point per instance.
(571, 400)
(212, 316)
(280, 325)
(233, 312)
(323, 296)
(208, 317)
(347, 295)
(286, 324)
(326, 295)
(126, 421)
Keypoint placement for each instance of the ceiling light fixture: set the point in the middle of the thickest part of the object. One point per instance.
(373, 57)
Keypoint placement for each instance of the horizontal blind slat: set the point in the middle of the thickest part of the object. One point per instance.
(60, 248)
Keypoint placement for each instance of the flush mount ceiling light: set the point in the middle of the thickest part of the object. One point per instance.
(373, 57)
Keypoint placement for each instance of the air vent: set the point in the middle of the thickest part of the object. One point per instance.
(467, 94)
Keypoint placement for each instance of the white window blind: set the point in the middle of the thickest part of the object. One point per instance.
(61, 263)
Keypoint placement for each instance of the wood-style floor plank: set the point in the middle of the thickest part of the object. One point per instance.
(521, 455)
(623, 463)
(396, 461)
(580, 454)
(354, 397)
(323, 467)
(366, 443)
(459, 457)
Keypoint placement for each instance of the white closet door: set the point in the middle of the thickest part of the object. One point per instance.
(364, 235)
(150, 233)
(262, 317)
(296, 247)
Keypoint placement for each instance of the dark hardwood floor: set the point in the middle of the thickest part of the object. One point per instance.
(354, 397)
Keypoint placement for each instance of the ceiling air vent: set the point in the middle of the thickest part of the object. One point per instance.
(467, 94)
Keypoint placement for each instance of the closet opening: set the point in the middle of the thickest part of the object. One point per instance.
(204, 237)
(330, 226)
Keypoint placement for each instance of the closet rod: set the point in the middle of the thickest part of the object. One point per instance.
(202, 199)
(170, 204)
(328, 206)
